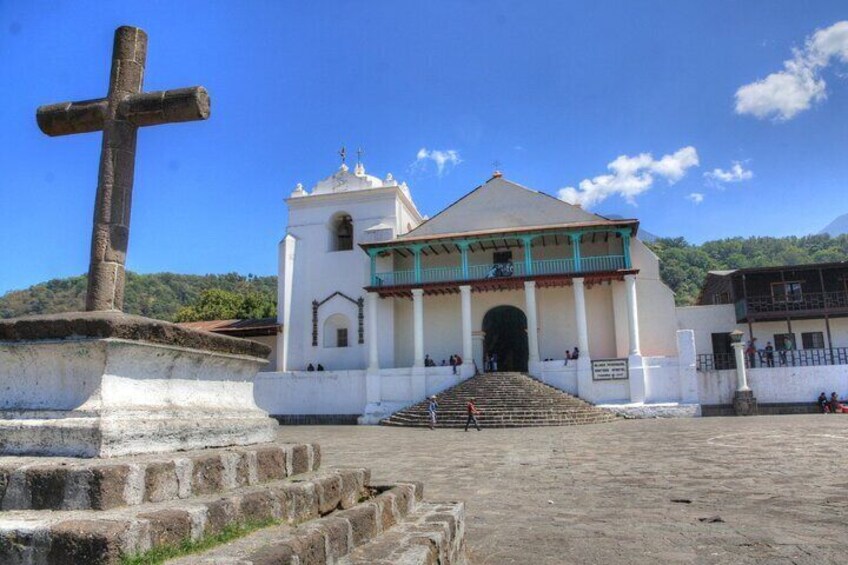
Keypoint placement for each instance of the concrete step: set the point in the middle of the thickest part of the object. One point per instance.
(103, 537)
(66, 483)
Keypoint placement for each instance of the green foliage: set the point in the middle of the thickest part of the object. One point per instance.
(684, 267)
(217, 304)
(187, 547)
(157, 296)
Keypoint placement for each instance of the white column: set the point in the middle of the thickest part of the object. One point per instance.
(373, 351)
(741, 375)
(632, 314)
(532, 321)
(418, 325)
(580, 315)
(467, 351)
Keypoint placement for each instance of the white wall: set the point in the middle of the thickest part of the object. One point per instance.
(778, 384)
(296, 393)
(705, 321)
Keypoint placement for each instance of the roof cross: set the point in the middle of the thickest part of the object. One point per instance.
(118, 116)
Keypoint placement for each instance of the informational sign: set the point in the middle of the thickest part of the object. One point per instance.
(609, 369)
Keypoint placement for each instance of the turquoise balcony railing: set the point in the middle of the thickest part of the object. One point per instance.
(594, 264)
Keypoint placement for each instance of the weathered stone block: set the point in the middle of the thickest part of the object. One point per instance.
(329, 490)
(221, 513)
(207, 474)
(85, 541)
(108, 485)
(168, 527)
(259, 506)
(46, 486)
(270, 463)
(300, 459)
(363, 521)
(160, 481)
(302, 502)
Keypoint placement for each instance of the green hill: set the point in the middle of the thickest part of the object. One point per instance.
(158, 295)
(683, 267)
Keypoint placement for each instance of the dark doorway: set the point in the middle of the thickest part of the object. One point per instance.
(723, 356)
(506, 337)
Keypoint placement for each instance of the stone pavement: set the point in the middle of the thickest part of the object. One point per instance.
(770, 489)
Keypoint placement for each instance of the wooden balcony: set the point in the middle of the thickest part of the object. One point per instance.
(807, 305)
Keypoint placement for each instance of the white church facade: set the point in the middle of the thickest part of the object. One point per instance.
(370, 291)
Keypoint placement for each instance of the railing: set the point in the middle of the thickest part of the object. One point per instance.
(517, 268)
(762, 359)
(806, 301)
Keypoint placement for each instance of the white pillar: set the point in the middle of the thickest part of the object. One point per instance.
(373, 351)
(467, 350)
(532, 322)
(580, 315)
(741, 375)
(632, 314)
(418, 325)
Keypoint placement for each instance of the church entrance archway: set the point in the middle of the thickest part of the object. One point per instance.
(505, 328)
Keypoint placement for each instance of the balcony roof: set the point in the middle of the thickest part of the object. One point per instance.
(507, 232)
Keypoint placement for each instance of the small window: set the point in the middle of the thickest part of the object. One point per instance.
(812, 340)
(789, 291)
(341, 337)
(721, 298)
(342, 233)
(784, 341)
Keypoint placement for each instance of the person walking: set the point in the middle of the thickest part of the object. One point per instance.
(431, 409)
(453, 363)
(472, 415)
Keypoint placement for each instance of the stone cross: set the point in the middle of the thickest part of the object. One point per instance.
(118, 116)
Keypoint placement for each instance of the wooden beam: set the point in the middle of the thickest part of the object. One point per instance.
(445, 247)
(401, 253)
(433, 250)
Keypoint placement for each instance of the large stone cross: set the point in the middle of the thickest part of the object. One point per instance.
(119, 116)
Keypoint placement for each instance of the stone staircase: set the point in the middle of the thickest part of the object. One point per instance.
(506, 400)
(63, 511)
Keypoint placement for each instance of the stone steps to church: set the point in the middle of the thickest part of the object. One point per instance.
(38, 483)
(394, 526)
(505, 400)
(312, 517)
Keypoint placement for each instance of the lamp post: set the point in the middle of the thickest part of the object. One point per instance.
(744, 403)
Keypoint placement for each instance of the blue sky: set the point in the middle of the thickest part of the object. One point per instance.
(554, 91)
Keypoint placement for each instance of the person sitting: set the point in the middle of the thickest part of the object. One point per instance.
(320, 367)
(575, 354)
(427, 361)
(823, 404)
(310, 368)
(834, 404)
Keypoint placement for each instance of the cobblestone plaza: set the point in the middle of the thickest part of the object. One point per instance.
(706, 490)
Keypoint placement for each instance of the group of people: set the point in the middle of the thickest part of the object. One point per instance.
(831, 405)
(312, 367)
(766, 355)
(454, 361)
(470, 408)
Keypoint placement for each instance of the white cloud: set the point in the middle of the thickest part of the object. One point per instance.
(784, 94)
(696, 197)
(631, 176)
(736, 173)
(445, 159)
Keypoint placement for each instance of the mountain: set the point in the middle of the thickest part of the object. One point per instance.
(158, 295)
(837, 226)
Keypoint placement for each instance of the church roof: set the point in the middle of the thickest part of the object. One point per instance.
(502, 206)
